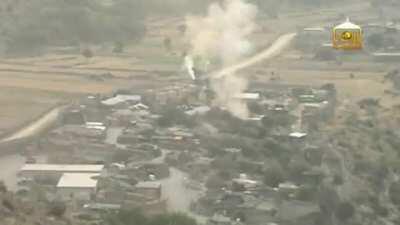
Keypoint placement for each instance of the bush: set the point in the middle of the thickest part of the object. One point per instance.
(274, 175)
(214, 182)
(344, 211)
(87, 53)
(136, 217)
(394, 193)
(306, 193)
(172, 218)
(57, 209)
(7, 203)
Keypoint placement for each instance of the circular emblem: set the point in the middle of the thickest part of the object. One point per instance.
(347, 35)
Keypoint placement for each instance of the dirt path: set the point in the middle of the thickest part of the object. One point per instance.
(36, 126)
(276, 48)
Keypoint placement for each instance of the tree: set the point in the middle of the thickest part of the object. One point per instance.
(3, 187)
(57, 208)
(344, 211)
(274, 175)
(297, 167)
(46, 22)
(172, 218)
(130, 217)
(214, 182)
(136, 216)
(121, 156)
(306, 193)
(328, 199)
(87, 53)
(394, 193)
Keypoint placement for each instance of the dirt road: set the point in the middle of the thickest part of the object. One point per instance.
(36, 126)
(276, 48)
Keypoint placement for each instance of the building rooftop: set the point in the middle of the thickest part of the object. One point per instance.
(63, 168)
(248, 96)
(198, 110)
(121, 98)
(148, 184)
(297, 134)
(78, 180)
(347, 25)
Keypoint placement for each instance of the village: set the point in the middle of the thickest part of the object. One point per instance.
(140, 149)
(317, 143)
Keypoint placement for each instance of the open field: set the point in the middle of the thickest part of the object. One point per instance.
(20, 105)
(30, 86)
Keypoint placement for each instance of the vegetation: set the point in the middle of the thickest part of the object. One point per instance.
(36, 24)
(3, 187)
(274, 175)
(344, 211)
(394, 193)
(137, 217)
(57, 209)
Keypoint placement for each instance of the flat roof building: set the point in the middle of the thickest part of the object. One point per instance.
(57, 170)
(120, 99)
(63, 167)
(248, 96)
(80, 186)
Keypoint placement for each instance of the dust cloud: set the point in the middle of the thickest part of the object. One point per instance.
(222, 36)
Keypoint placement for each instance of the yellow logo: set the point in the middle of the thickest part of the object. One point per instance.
(347, 36)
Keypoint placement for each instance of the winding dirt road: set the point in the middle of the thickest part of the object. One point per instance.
(275, 49)
(35, 127)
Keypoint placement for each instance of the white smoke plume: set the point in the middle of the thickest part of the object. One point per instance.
(222, 35)
(189, 64)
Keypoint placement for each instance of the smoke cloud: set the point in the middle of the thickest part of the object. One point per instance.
(189, 64)
(222, 35)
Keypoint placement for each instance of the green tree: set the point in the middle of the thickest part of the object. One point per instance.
(57, 208)
(344, 211)
(3, 187)
(136, 216)
(87, 53)
(394, 193)
(172, 218)
(274, 175)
